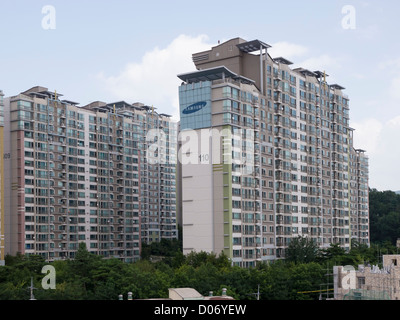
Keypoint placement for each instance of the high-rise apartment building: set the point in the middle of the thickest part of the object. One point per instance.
(2, 226)
(156, 144)
(81, 174)
(267, 155)
(359, 196)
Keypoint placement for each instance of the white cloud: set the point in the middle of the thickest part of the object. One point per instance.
(369, 32)
(294, 51)
(154, 80)
(287, 50)
(380, 140)
(393, 67)
(395, 122)
(358, 76)
(386, 166)
(367, 135)
(395, 88)
(390, 63)
(322, 62)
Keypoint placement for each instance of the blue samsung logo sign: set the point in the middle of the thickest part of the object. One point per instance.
(194, 107)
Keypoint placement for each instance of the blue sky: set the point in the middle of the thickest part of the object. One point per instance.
(133, 50)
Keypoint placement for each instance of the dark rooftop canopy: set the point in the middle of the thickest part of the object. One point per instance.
(321, 74)
(336, 86)
(305, 72)
(283, 60)
(252, 46)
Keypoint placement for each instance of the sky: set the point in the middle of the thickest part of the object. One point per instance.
(133, 51)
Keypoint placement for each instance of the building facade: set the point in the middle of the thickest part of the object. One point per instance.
(270, 156)
(2, 219)
(80, 174)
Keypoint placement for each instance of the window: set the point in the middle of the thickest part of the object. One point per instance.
(360, 282)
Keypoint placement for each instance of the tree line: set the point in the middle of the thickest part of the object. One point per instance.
(90, 277)
(305, 271)
(384, 209)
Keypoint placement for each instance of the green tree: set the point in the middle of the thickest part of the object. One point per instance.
(80, 268)
(165, 248)
(301, 250)
(305, 278)
(384, 209)
(334, 253)
(276, 285)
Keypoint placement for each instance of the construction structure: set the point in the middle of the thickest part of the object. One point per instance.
(368, 282)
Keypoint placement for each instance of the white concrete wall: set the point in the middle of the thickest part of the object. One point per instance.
(197, 208)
